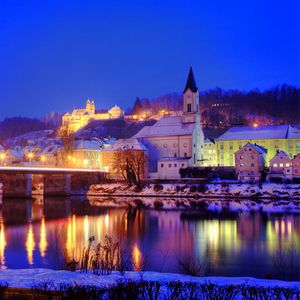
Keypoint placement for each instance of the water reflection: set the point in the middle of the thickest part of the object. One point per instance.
(30, 245)
(48, 232)
(2, 244)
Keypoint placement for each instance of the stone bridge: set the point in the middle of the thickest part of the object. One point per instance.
(21, 181)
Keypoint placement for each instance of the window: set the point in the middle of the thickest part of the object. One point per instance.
(252, 157)
(170, 165)
(185, 155)
(175, 154)
(241, 165)
(241, 157)
(230, 147)
(287, 165)
(162, 165)
(252, 165)
(281, 165)
(222, 146)
(182, 165)
(189, 107)
(250, 149)
(175, 165)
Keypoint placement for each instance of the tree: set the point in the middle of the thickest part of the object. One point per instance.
(131, 164)
(137, 107)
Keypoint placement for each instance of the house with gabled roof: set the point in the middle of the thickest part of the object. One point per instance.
(250, 162)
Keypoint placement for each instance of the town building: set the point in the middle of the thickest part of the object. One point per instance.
(72, 122)
(175, 139)
(274, 138)
(296, 168)
(48, 156)
(209, 153)
(83, 154)
(125, 151)
(250, 162)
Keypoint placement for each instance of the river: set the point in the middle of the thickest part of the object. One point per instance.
(49, 232)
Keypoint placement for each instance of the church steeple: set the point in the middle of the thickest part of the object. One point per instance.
(191, 83)
(191, 100)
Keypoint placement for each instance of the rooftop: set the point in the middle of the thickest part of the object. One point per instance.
(167, 126)
(260, 133)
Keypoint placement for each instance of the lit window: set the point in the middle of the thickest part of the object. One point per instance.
(281, 165)
(209, 151)
(287, 165)
(275, 165)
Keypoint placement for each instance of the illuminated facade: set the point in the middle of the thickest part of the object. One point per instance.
(273, 138)
(81, 117)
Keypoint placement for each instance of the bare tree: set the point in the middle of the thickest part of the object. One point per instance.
(131, 164)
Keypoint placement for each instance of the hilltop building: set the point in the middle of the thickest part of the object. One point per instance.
(72, 122)
(175, 142)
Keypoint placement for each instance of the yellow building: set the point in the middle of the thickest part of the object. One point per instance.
(81, 117)
(209, 153)
(273, 138)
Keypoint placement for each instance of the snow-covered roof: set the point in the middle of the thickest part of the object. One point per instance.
(167, 126)
(87, 144)
(255, 147)
(260, 133)
(51, 149)
(16, 153)
(126, 144)
(281, 153)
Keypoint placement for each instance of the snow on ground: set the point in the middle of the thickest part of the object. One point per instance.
(238, 190)
(27, 278)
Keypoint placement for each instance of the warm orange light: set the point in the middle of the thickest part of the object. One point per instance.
(43, 158)
(2, 246)
(30, 245)
(2, 156)
(137, 258)
(255, 125)
(30, 155)
(43, 238)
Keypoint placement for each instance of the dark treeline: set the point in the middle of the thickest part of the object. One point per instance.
(277, 105)
(11, 127)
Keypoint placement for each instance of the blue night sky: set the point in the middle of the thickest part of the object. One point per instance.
(55, 53)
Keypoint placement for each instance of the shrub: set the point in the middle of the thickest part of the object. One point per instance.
(158, 187)
(193, 267)
(158, 204)
(202, 188)
(193, 188)
(3, 288)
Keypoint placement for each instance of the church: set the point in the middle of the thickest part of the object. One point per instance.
(175, 142)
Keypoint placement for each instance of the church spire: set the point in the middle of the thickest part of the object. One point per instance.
(191, 83)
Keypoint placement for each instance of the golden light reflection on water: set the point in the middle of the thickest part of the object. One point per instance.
(43, 238)
(30, 245)
(136, 258)
(2, 245)
(281, 233)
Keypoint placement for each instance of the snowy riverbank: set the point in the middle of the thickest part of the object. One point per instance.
(27, 278)
(222, 190)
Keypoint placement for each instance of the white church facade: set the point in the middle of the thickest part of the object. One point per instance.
(175, 142)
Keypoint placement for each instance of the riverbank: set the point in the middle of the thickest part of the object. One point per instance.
(164, 285)
(211, 190)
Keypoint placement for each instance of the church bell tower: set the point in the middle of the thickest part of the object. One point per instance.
(191, 112)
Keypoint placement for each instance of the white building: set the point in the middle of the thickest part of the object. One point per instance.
(175, 142)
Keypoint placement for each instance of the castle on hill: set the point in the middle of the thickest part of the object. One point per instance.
(72, 122)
